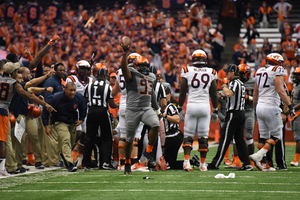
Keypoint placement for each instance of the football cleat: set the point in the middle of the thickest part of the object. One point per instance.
(227, 161)
(256, 158)
(267, 168)
(127, 169)
(294, 163)
(151, 161)
(39, 165)
(108, 166)
(187, 167)
(203, 167)
(211, 166)
(121, 168)
(79, 162)
(281, 168)
(136, 167)
(72, 168)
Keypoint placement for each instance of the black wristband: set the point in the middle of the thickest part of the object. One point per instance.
(285, 113)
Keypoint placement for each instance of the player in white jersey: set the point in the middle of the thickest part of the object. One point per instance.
(120, 87)
(200, 82)
(81, 81)
(268, 91)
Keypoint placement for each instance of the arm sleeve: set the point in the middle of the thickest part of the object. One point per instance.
(45, 113)
(232, 86)
(47, 83)
(154, 101)
(39, 72)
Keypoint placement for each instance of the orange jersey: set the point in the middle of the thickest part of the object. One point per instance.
(221, 75)
(290, 48)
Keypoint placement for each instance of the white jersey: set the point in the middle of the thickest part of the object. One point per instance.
(267, 93)
(121, 81)
(199, 81)
(80, 86)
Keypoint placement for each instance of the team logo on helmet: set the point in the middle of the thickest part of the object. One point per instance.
(199, 57)
(83, 68)
(274, 59)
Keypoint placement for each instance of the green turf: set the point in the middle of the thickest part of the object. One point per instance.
(171, 184)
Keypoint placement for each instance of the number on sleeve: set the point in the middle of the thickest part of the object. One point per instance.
(4, 91)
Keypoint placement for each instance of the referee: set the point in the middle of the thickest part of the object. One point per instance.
(234, 90)
(98, 95)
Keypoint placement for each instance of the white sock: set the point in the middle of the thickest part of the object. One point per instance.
(262, 151)
(2, 164)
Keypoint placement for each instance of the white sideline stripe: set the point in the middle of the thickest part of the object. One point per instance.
(166, 182)
(142, 190)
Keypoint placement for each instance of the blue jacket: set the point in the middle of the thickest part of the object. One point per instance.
(55, 82)
(66, 108)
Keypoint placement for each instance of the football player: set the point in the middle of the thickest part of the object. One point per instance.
(200, 83)
(81, 80)
(268, 91)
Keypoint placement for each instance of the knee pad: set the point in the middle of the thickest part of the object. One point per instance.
(136, 142)
(203, 144)
(188, 142)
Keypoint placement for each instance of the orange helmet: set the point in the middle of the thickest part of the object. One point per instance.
(98, 66)
(245, 72)
(199, 57)
(34, 111)
(296, 75)
(142, 65)
(12, 120)
(131, 58)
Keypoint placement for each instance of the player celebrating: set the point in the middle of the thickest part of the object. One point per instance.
(268, 91)
(138, 105)
(200, 82)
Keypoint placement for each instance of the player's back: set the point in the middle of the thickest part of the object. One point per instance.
(80, 85)
(139, 90)
(267, 93)
(6, 91)
(199, 81)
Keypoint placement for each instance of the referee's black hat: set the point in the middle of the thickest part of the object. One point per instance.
(232, 68)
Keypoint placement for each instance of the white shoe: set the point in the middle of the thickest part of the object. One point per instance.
(267, 168)
(187, 167)
(203, 167)
(256, 158)
(293, 163)
(121, 168)
(4, 172)
(137, 168)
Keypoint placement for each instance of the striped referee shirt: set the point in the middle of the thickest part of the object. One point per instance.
(159, 90)
(237, 101)
(171, 129)
(98, 93)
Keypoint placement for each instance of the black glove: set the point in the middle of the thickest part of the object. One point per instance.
(214, 115)
(126, 49)
(292, 111)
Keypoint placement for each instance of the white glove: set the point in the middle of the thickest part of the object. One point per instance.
(214, 115)
(250, 98)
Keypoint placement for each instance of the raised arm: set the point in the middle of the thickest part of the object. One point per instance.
(37, 81)
(125, 69)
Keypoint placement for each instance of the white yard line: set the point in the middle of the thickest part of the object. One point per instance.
(143, 190)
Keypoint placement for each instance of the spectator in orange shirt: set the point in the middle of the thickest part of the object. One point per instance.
(240, 43)
(264, 15)
(248, 16)
(290, 48)
(3, 32)
(206, 20)
(83, 14)
(68, 14)
(221, 76)
(285, 29)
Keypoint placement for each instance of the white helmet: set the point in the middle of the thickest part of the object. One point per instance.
(274, 59)
(83, 63)
(131, 58)
(199, 57)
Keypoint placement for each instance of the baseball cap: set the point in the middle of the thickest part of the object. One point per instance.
(10, 67)
(232, 68)
(113, 74)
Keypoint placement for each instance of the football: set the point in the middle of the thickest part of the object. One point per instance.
(126, 42)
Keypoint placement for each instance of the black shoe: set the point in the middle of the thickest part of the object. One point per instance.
(245, 168)
(210, 166)
(195, 161)
(108, 166)
(22, 169)
(39, 165)
(127, 169)
(280, 168)
(24, 162)
(72, 168)
(17, 171)
(151, 161)
(86, 168)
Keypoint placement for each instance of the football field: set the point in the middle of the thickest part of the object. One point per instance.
(170, 184)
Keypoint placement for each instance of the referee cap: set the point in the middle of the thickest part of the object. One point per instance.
(167, 87)
(10, 67)
(232, 68)
(102, 72)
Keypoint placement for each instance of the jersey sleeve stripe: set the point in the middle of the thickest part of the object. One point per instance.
(274, 68)
(185, 69)
(214, 72)
(72, 78)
